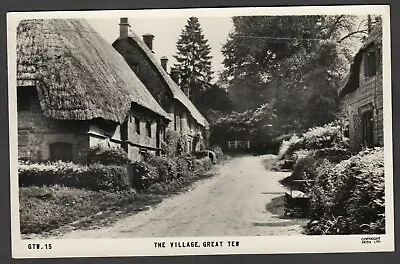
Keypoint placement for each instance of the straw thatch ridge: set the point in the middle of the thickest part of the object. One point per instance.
(177, 93)
(352, 79)
(78, 75)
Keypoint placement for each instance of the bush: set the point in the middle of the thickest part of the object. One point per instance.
(174, 144)
(329, 136)
(349, 198)
(166, 167)
(218, 152)
(145, 174)
(107, 156)
(203, 164)
(93, 177)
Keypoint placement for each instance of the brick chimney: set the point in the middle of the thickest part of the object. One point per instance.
(123, 27)
(164, 62)
(148, 40)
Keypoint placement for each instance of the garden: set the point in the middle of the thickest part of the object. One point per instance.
(346, 189)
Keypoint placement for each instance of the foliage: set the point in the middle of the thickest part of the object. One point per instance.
(297, 70)
(166, 167)
(253, 125)
(193, 58)
(174, 143)
(107, 156)
(93, 177)
(163, 173)
(329, 136)
(349, 198)
(218, 151)
(213, 99)
(43, 209)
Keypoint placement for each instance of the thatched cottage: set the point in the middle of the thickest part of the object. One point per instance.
(363, 93)
(75, 91)
(139, 55)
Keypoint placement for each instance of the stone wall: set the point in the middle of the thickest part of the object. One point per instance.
(36, 132)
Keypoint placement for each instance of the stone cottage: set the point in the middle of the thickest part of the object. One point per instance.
(362, 93)
(75, 91)
(138, 53)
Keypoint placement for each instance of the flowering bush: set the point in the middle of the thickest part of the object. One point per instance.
(94, 177)
(323, 137)
(349, 198)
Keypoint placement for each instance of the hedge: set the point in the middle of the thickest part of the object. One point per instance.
(107, 156)
(93, 177)
(349, 197)
(168, 171)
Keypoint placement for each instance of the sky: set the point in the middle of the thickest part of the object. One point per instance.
(167, 30)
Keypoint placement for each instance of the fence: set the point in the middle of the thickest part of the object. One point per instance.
(238, 144)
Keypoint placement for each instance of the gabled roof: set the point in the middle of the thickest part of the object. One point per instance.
(177, 93)
(78, 75)
(352, 79)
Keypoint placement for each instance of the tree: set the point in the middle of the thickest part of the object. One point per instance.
(193, 59)
(296, 69)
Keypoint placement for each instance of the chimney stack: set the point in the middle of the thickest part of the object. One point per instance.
(164, 62)
(148, 40)
(123, 27)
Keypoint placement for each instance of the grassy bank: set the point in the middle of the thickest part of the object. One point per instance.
(50, 210)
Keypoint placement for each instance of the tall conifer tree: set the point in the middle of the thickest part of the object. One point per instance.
(193, 59)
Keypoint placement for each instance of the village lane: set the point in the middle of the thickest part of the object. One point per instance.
(238, 201)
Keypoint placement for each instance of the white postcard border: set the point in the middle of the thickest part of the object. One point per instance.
(247, 245)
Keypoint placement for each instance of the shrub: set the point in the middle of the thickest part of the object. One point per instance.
(203, 164)
(144, 174)
(107, 156)
(218, 151)
(329, 136)
(94, 177)
(166, 167)
(174, 143)
(349, 198)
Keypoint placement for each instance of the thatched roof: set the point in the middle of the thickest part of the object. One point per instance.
(352, 79)
(78, 75)
(177, 93)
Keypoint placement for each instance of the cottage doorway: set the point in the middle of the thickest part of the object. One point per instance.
(367, 128)
(61, 151)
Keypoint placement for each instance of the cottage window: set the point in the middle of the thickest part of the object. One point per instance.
(137, 125)
(148, 128)
(370, 64)
(61, 151)
(367, 128)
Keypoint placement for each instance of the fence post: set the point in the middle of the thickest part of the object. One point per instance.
(236, 144)
(248, 144)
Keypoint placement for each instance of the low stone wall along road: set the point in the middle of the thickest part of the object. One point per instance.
(242, 199)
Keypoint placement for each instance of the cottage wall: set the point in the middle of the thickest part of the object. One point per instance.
(36, 132)
(139, 143)
(367, 97)
(154, 82)
(104, 135)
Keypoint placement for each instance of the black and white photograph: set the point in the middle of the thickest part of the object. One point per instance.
(200, 131)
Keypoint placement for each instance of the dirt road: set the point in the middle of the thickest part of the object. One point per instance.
(243, 199)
